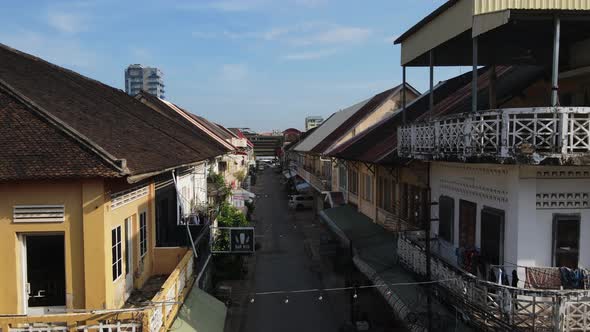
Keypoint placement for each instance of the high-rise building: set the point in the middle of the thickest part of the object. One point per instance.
(138, 77)
(312, 122)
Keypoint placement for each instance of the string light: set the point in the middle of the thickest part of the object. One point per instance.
(354, 288)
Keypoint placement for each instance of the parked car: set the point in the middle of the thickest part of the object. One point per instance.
(300, 202)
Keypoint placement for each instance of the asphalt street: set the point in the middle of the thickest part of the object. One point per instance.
(282, 264)
(285, 264)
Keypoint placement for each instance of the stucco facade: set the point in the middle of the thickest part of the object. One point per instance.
(86, 228)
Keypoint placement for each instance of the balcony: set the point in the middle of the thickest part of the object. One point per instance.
(495, 307)
(526, 135)
(319, 182)
(155, 315)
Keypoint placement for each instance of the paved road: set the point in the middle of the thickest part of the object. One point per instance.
(282, 264)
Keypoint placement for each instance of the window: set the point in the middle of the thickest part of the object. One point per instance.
(222, 166)
(467, 216)
(353, 181)
(492, 236)
(342, 177)
(142, 234)
(414, 201)
(566, 240)
(385, 193)
(368, 187)
(446, 216)
(117, 256)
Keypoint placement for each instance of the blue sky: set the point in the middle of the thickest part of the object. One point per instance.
(264, 64)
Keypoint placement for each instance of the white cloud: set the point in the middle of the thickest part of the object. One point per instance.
(234, 72)
(61, 51)
(333, 35)
(247, 5)
(308, 55)
(66, 22)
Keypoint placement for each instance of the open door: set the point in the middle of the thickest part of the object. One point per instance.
(128, 258)
(44, 274)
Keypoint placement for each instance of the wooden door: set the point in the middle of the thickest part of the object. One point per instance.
(467, 219)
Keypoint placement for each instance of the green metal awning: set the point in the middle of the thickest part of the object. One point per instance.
(200, 312)
(375, 255)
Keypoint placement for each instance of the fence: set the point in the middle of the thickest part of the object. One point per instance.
(155, 317)
(558, 132)
(496, 307)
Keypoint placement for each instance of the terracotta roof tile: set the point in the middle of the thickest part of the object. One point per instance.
(119, 124)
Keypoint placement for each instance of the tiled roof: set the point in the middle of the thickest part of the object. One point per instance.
(327, 127)
(186, 119)
(105, 116)
(33, 148)
(354, 119)
(380, 140)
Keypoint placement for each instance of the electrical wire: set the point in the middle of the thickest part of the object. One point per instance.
(335, 289)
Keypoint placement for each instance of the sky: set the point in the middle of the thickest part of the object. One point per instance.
(263, 64)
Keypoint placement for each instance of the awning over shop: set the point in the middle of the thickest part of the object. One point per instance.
(375, 255)
(200, 312)
(242, 194)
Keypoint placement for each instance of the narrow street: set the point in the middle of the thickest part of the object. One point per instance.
(284, 263)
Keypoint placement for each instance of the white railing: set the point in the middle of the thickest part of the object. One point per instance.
(557, 132)
(497, 307)
(157, 317)
(116, 327)
(46, 328)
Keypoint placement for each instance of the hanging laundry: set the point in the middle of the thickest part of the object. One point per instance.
(514, 278)
(543, 277)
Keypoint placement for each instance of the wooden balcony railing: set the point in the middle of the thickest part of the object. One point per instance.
(317, 181)
(524, 134)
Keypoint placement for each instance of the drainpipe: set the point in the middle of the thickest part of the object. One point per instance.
(474, 75)
(427, 217)
(555, 71)
(404, 95)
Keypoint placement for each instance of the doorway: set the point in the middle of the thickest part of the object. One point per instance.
(44, 273)
(467, 221)
(492, 236)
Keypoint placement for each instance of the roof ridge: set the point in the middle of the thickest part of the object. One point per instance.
(182, 112)
(118, 164)
(36, 58)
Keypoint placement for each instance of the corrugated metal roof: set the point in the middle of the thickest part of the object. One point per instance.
(328, 126)
(455, 17)
(371, 106)
(489, 6)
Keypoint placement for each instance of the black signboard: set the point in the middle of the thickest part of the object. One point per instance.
(242, 240)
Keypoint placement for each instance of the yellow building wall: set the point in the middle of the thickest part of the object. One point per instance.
(142, 268)
(87, 241)
(67, 193)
